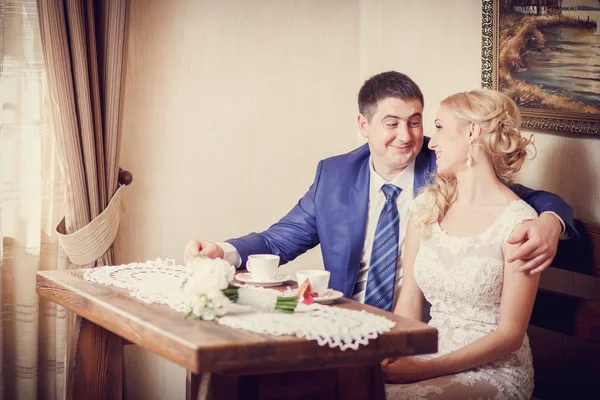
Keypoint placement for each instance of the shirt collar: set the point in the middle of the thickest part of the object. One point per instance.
(404, 180)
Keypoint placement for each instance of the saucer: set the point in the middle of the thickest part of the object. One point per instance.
(247, 279)
(329, 297)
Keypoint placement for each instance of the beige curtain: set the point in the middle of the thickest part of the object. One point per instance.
(84, 47)
(32, 331)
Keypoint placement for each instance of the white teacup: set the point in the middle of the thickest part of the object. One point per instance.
(263, 267)
(318, 279)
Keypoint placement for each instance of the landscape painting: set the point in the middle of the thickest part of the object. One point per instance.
(545, 54)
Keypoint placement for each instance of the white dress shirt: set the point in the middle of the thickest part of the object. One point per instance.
(231, 254)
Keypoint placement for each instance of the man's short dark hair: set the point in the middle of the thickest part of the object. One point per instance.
(386, 84)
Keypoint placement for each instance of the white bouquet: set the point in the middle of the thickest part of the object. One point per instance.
(208, 292)
(203, 294)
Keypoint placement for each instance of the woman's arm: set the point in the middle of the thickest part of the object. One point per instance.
(518, 296)
(410, 301)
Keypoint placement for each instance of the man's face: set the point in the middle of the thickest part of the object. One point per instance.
(395, 133)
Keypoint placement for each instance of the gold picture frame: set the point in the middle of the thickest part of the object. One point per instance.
(532, 98)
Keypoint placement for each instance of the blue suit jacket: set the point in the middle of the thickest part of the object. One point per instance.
(333, 212)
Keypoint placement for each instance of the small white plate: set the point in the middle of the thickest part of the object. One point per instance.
(329, 297)
(247, 279)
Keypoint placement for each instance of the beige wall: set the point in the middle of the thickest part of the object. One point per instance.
(568, 165)
(230, 104)
(436, 43)
(228, 107)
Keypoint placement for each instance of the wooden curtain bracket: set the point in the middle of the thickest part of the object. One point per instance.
(125, 177)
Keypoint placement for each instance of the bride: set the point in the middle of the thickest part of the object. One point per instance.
(457, 257)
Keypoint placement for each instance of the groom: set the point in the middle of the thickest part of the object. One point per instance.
(357, 206)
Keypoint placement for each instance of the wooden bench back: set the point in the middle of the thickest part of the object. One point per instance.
(565, 328)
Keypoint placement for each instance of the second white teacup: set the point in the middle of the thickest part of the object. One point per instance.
(262, 267)
(318, 279)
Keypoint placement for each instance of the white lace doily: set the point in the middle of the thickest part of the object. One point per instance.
(160, 281)
(332, 326)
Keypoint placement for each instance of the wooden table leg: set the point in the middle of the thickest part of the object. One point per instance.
(350, 383)
(360, 383)
(192, 385)
(98, 368)
(209, 386)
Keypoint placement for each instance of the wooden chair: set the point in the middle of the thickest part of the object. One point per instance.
(565, 327)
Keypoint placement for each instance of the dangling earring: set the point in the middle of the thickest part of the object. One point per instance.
(470, 155)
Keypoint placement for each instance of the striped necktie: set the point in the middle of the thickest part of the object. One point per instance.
(381, 278)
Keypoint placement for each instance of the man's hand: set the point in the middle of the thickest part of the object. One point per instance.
(404, 370)
(203, 248)
(539, 241)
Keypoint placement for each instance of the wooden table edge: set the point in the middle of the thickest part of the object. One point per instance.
(191, 365)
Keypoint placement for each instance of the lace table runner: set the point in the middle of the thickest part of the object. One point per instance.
(160, 281)
(157, 281)
(332, 326)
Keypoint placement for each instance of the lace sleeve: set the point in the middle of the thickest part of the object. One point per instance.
(520, 211)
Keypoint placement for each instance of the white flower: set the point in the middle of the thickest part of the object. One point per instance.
(210, 273)
(218, 298)
(203, 290)
(197, 304)
(208, 314)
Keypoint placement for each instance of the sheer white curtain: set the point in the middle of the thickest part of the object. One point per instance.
(32, 331)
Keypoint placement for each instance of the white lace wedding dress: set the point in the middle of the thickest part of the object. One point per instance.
(462, 279)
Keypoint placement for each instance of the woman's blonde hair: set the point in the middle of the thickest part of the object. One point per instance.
(499, 119)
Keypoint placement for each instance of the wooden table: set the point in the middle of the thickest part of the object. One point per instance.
(222, 363)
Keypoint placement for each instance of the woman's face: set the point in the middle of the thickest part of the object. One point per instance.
(450, 143)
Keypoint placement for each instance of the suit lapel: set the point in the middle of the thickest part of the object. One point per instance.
(358, 202)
